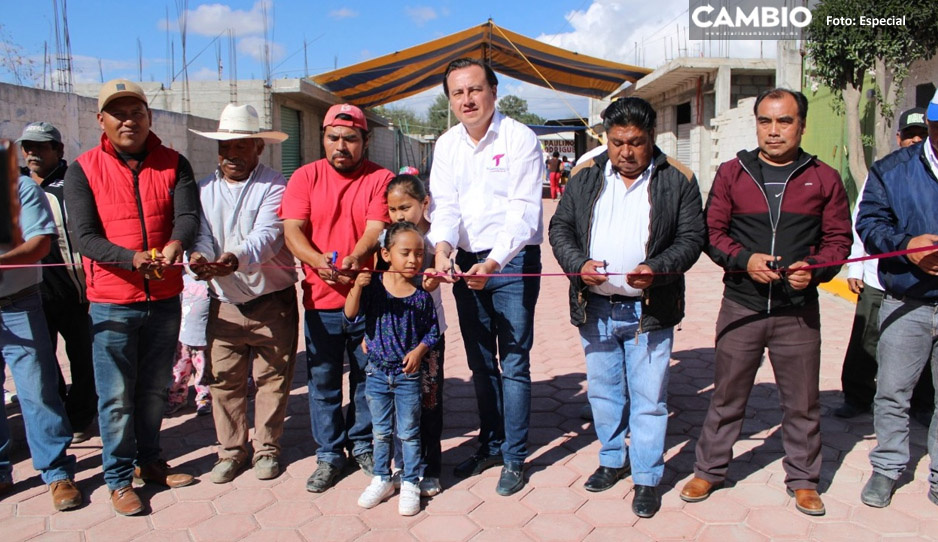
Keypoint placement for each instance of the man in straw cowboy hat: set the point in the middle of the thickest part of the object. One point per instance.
(133, 209)
(253, 311)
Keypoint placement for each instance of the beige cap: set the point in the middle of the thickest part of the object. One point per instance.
(119, 88)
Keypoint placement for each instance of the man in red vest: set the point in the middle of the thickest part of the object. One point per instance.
(133, 208)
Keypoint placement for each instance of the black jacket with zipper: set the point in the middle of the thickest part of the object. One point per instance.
(813, 226)
(676, 237)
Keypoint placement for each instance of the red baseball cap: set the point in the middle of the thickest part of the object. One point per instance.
(357, 119)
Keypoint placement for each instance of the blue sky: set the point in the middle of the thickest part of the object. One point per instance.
(104, 34)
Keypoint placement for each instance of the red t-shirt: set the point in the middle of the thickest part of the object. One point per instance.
(337, 208)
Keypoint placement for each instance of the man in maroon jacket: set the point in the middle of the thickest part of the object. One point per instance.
(771, 213)
(133, 208)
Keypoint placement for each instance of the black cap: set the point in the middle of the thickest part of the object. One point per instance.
(911, 118)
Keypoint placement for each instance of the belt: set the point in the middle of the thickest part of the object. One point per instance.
(615, 298)
(248, 305)
(24, 293)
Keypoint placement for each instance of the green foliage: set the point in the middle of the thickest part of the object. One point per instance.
(843, 54)
(404, 118)
(438, 114)
(517, 108)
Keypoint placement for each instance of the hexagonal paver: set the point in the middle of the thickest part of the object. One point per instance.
(607, 513)
(558, 528)
(274, 535)
(452, 501)
(390, 535)
(385, 516)
(244, 501)
(333, 528)
(23, 528)
(502, 514)
(118, 528)
(338, 501)
(553, 476)
(842, 532)
(616, 534)
(286, 515)
(224, 528)
(758, 495)
(888, 520)
(551, 500)
(729, 533)
(61, 536)
(83, 518)
(445, 529)
(669, 524)
(719, 508)
(40, 505)
(502, 535)
(165, 536)
(182, 515)
(779, 522)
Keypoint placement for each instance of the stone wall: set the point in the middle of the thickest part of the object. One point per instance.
(75, 117)
(731, 132)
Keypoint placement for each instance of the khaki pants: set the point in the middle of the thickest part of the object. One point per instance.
(263, 331)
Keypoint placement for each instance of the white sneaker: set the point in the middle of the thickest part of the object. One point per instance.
(430, 487)
(377, 491)
(409, 503)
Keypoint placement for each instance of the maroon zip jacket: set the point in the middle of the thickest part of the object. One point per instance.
(813, 226)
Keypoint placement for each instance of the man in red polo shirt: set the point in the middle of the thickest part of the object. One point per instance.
(336, 206)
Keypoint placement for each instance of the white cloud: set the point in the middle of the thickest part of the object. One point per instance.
(643, 33)
(543, 101)
(420, 15)
(213, 19)
(343, 13)
(205, 74)
(253, 46)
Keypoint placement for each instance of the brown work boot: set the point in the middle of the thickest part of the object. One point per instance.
(159, 472)
(807, 501)
(125, 501)
(65, 495)
(698, 490)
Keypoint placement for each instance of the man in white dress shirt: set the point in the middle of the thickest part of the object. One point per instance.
(486, 186)
(636, 213)
(253, 314)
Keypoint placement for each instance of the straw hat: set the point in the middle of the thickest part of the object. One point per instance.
(241, 122)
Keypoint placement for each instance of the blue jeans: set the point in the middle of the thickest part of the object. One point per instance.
(394, 401)
(908, 340)
(328, 341)
(134, 346)
(627, 374)
(497, 323)
(25, 347)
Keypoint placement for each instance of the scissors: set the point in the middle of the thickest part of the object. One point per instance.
(158, 273)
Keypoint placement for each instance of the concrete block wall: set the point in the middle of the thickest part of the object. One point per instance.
(745, 86)
(731, 132)
(75, 117)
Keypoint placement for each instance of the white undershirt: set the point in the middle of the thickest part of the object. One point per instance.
(619, 234)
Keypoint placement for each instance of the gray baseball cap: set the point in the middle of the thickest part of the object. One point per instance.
(39, 132)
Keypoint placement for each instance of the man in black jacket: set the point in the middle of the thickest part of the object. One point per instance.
(631, 222)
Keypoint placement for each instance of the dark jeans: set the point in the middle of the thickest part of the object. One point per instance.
(328, 342)
(497, 325)
(134, 346)
(71, 320)
(793, 339)
(858, 377)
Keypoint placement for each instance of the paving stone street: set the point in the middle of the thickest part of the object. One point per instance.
(553, 506)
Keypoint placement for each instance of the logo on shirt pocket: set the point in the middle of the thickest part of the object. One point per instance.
(497, 166)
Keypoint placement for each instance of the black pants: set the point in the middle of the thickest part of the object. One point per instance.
(71, 320)
(858, 377)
